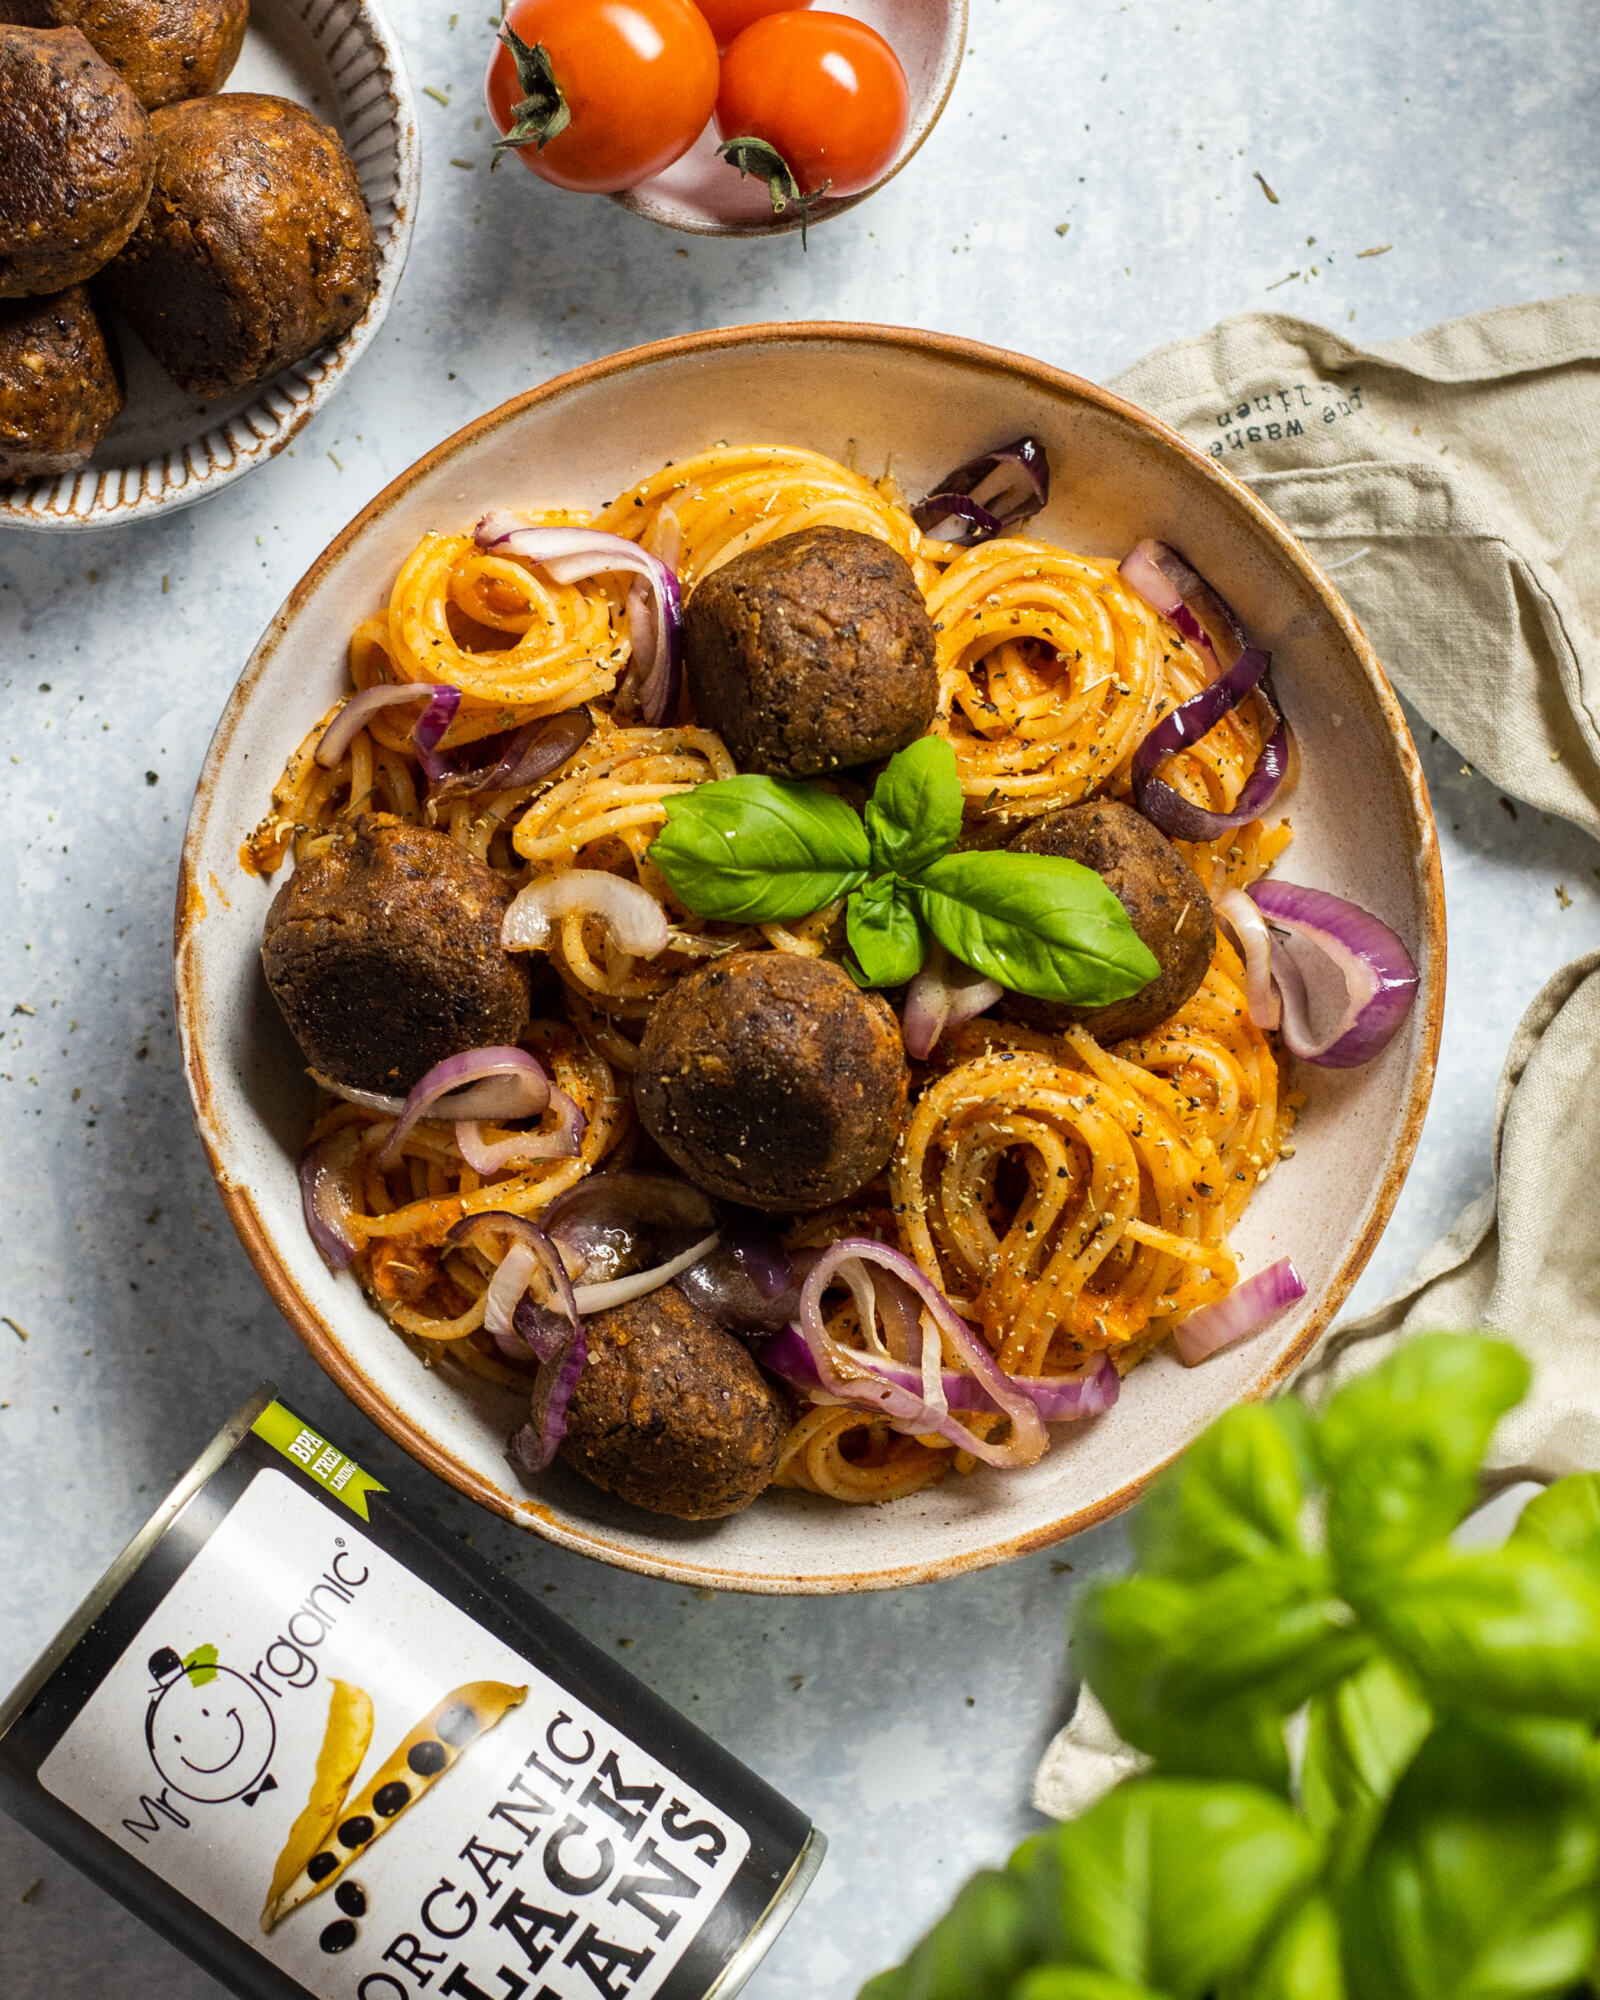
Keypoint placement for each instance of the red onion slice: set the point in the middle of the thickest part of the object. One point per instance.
(524, 1093)
(326, 1197)
(719, 1286)
(610, 1220)
(1057, 1398)
(525, 756)
(758, 1250)
(988, 495)
(854, 1378)
(1187, 723)
(638, 1284)
(436, 718)
(1380, 975)
(944, 994)
(636, 920)
(535, 1445)
(568, 555)
(1255, 941)
(1247, 1307)
(1182, 596)
(561, 1144)
(555, 1336)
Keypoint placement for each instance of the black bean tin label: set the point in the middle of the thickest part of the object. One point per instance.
(372, 1790)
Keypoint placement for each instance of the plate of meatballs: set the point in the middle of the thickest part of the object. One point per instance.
(204, 211)
(794, 1015)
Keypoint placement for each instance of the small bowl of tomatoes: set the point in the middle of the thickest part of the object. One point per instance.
(723, 117)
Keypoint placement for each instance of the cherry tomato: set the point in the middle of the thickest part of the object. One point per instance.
(731, 17)
(823, 91)
(636, 79)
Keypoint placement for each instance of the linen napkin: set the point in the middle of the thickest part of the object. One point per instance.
(1450, 483)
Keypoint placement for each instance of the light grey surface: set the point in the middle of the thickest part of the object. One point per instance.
(908, 1725)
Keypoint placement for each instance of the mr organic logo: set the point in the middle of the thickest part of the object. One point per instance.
(210, 1728)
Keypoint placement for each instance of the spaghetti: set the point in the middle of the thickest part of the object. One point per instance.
(1071, 1200)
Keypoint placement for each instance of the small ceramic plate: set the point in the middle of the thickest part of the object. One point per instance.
(915, 404)
(342, 60)
(704, 195)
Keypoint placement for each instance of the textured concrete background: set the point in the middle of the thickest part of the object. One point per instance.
(1463, 136)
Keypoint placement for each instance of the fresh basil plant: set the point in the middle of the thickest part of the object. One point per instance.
(754, 850)
(1435, 1832)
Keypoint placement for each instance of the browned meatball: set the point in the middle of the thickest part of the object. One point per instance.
(670, 1412)
(384, 953)
(773, 1080)
(58, 383)
(164, 49)
(1160, 892)
(256, 247)
(812, 653)
(76, 160)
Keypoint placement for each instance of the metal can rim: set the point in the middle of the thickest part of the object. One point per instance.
(764, 1933)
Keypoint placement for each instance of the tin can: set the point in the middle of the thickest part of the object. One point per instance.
(328, 1751)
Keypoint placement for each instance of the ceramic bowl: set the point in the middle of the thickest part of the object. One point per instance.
(167, 449)
(915, 403)
(702, 194)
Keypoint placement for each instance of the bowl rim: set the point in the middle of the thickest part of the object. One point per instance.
(639, 201)
(308, 1325)
(28, 504)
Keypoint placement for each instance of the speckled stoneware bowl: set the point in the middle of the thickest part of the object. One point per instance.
(915, 403)
(702, 194)
(343, 61)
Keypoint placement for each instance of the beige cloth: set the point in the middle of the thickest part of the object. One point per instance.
(1451, 485)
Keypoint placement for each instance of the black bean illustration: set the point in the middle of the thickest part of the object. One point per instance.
(427, 1759)
(351, 1898)
(339, 1936)
(388, 1799)
(458, 1725)
(356, 1831)
(321, 1865)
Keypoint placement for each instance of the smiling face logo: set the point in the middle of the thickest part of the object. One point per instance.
(210, 1732)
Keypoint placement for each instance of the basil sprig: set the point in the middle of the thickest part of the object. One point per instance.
(756, 850)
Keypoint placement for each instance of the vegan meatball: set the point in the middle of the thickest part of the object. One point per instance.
(256, 247)
(812, 653)
(670, 1412)
(164, 49)
(773, 1080)
(383, 950)
(58, 383)
(76, 160)
(1161, 893)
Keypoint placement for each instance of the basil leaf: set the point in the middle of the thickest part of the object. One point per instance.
(1069, 1982)
(1233, 1497)
(1402, 1446)
(1301, 1962)
(754, 850)
(1360, 1736)
(885, 932)
(1167, 1882)
(1038, 923)
(1481, 1880)
(1565, 1517)
(1515, 1629)
(914, 814)
(979, 1945)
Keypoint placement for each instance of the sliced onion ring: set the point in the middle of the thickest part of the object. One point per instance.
(1168, 585)
(637, 1284)
(524, 1092)
(944, 995)
(853, 1377)
(989, 495)
(1380, 975)
(1247, 1307)
(654, 605)
(325, 1194)
(637, 921)
(561, 1144)
(1255, 942)
(442, 703)
(1187, 723)
(1057, 1398)
(526, 755)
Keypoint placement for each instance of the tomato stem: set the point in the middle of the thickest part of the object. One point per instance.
(759, 157)
(542, 112)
